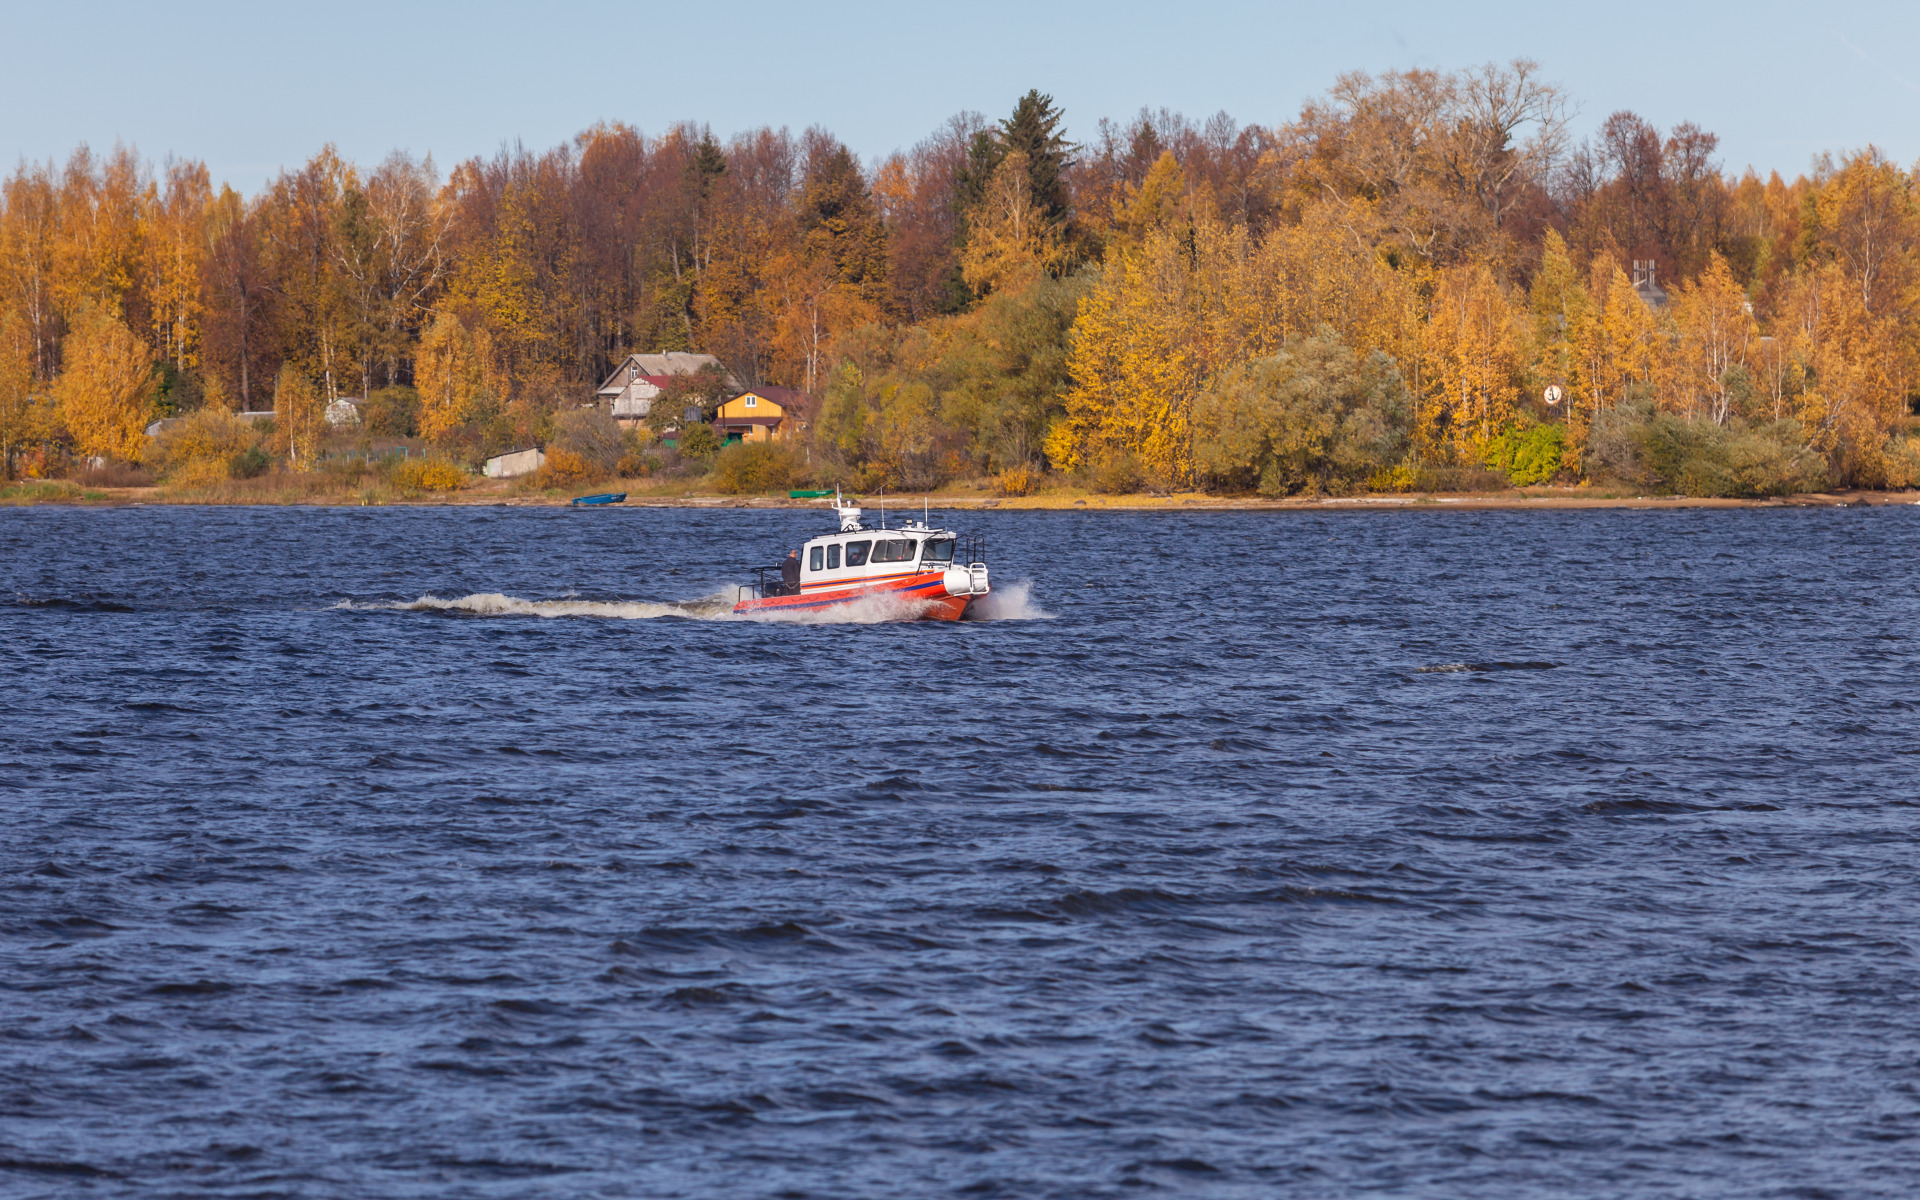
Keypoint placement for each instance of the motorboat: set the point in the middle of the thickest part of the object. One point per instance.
(932, 574)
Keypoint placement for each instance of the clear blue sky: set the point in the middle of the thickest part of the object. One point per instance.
(255, 87)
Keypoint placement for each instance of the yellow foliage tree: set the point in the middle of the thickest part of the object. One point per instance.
(105, 396)
(1196, 298)
(454, 373)
(16, 387)
(1780, 370)
(1139, 359)
(299, 416)
(1323, 271)
(29, 221)
(1009, 241)
(174, 245)
(1614, 349)
(1855, 362)
(1716, 333)
(1869, 219)
(97, 244)
(198, 448)
(1154, 204)
(1563, 313)
(1471, 361)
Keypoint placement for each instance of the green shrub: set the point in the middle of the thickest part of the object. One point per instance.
(393, 412)
(203, 447)
(756, 467)
(428, 475)
(698, 441)
(1528, 456)
(591, 437)
(1470, 478)
(249, 463)
(564, 468)
(1315, 417)
(1118, 475)
(1017, 481)
(1656, 450)
(1902, 455)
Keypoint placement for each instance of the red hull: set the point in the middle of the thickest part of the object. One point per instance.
(925, 590)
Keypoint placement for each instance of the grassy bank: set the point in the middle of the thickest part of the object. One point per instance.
(325, 489)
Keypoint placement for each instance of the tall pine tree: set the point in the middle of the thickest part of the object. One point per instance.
(1034, 130)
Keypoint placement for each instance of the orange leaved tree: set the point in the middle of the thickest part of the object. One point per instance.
(106, 393)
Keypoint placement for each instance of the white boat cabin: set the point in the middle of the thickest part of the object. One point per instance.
(861, 555)
(913, 560)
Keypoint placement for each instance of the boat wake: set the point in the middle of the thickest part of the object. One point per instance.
(1010, 604)
(495, 604)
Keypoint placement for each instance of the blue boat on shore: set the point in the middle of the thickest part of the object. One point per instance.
(602, 498)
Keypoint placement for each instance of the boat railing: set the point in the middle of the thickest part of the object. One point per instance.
(761, 587)
(973, 549)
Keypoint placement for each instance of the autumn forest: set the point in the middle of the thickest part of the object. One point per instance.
(1420, 281)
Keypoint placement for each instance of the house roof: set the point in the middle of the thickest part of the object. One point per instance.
(621, 383)
(658, 367)
(793, 400)
(755, 419)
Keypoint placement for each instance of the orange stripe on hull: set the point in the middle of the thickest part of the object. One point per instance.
(927, 589)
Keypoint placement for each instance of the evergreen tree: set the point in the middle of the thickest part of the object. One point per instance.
(1034, 130)
(984, 153)
(840, 225)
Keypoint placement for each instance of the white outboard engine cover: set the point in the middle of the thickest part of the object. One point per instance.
(963, 581)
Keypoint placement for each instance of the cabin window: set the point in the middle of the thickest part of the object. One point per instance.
(857, 553)
(814, 558)
(893, 551)
(833, 557)
(939, 550)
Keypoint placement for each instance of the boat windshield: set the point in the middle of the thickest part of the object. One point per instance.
(939, 550)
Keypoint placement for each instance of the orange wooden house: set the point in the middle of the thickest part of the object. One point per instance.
(763, 414)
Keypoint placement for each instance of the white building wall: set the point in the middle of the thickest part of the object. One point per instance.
(635, 400)
(520, 462)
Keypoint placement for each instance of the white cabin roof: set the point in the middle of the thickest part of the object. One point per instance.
(847, 535)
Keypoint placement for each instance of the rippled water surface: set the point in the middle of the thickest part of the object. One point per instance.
(1248, 854)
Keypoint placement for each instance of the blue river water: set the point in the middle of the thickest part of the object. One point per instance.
(476, 852)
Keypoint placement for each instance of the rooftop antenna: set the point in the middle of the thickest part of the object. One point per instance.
(926, 512)
(883, 508)
(849, 514)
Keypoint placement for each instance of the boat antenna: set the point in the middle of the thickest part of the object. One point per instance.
(883, 508)
(926, 511)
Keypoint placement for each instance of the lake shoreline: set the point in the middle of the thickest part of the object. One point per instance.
(1543, 499)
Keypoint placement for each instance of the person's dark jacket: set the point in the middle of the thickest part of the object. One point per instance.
(790, 575)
